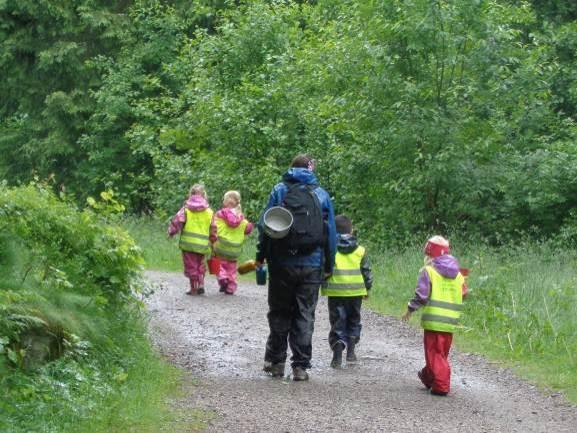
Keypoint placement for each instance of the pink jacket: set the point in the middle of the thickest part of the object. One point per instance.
(231, 218)
(194, 203)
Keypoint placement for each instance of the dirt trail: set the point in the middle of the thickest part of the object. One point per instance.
(220, 340)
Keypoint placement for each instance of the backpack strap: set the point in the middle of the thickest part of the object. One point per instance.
(291, 185)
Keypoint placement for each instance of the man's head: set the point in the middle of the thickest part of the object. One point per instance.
(436, 246)
(303, 161)
(343, 224)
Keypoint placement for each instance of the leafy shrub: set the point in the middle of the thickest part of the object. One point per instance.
(68, 289)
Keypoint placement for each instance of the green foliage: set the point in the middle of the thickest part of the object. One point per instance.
(73, 345)
(433, 110)
(47, 81)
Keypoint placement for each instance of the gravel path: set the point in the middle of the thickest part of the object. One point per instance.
(220, 340)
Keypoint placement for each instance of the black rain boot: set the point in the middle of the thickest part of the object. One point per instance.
(351, 356)
(222, 286)
(337, 361)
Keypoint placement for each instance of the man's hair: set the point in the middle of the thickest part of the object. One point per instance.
(301, 161)
(344, 224)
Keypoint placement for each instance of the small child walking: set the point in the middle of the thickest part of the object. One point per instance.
(228, 232)
(193, 222)
(350, 282)
(440, 291)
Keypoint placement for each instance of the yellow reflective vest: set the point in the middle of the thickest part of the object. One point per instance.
(347, 279)
(229, 240)
(194, 236)
(442, 311)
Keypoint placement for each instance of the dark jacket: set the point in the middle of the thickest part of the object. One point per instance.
(321, 257)
(347, 244)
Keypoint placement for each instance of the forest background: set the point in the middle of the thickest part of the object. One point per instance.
(452, 117)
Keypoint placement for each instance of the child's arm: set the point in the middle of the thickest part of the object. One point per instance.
(422, 293)
(213, 230)
(366, 272)
(177, 222)
(248, 229)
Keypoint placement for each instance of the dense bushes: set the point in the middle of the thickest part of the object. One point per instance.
(69, 315)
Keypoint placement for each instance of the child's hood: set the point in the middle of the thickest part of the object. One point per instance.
(446, 265)
(196, 203)
(231, 218)
(346, 243)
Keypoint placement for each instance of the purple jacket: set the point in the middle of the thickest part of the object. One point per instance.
(447, 266)
(194, 203)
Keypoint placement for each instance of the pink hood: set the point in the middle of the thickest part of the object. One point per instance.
(231, 218)
(196, 203)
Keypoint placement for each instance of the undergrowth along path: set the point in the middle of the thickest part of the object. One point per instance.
(220, 339)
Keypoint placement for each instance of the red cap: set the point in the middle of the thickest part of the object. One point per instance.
(437, 246)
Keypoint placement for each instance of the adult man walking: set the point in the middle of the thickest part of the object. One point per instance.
(297, 265)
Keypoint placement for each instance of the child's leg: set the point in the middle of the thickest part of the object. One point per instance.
(353, 311)
(200, 271)
(194, 269)
(337, 334)
(437, 372)
(221, 275)
(189, 263)
(426, 373)
(353, 308)
(227, 276)
(338, 321)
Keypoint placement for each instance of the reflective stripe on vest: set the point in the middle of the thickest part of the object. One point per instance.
(229, 240)
(442, 312)
(347, 279)
(195, 233)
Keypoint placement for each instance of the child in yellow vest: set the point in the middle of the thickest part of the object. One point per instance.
(440, 291)
(228, 231)
(193, 222)
(350, 282)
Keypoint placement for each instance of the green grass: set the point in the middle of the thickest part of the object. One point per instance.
(120, 387)
(520, 311)
(141, 403)
(159, 252)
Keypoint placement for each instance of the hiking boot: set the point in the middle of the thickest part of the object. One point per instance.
(300, 374)
(276, 370)
(351, 356)
(200, 291)
(337, 361)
